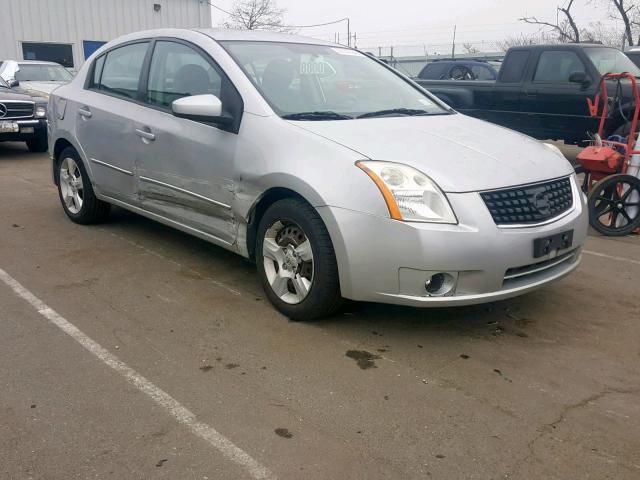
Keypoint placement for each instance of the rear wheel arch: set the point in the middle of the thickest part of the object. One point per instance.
(60, 146)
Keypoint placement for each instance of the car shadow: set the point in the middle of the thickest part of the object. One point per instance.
(504, 318)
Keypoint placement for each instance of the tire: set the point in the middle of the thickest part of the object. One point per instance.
(38, 144)
(615, 198)
(78, 201)
(288, 228)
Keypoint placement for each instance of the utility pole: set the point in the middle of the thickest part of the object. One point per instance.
(355, 40)
(453, 48)
(348, 32)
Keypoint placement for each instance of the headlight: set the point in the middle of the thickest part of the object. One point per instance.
(41, 112)
(410, 195)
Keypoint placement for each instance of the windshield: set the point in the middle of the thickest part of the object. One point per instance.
(327, 83)
(610, 60)
(42, 73)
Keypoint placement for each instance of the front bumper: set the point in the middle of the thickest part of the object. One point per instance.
(388, 261)
(39, 127)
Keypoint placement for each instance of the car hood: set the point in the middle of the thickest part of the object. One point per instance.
(10, 94)
(460, 153)
(40, 87)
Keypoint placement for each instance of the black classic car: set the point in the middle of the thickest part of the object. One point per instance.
(542, 91)
(23, 118)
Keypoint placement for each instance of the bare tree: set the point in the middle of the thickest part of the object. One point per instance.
(469, 48)
(566, 29)
(625, 12)
(257, 15)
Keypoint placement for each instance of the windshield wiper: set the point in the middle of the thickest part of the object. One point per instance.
(316, 116)
(409, 112)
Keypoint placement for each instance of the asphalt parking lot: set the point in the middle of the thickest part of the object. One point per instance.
(542, 386)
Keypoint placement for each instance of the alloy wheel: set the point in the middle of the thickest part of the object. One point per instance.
(288, 261)
(71, 186)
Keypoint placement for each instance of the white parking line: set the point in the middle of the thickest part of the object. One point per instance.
(163, 399)
(612, 257)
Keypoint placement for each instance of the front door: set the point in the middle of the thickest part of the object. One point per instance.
(105, 120)
(185, 167)
(558, 106)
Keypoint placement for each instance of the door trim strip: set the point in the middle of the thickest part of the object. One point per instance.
(186, 192)
(112, 167)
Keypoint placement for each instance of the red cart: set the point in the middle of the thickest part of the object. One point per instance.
(612, 168)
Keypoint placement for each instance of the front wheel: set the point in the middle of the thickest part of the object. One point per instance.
(296, 261)
(38, 144)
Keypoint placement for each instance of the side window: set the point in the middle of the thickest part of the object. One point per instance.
(482, 73)
(121, 70)
(557, 66)
(97, 71)
(180, 71)
(514, 66)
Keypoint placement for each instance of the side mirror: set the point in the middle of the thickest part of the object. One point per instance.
(581, 78)
(13, 83)
(200, 108)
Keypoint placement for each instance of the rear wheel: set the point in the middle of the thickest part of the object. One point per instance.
(76, 192)
(296, 261)
(614, 205)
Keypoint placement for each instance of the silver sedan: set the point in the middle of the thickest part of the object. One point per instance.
(339, 176)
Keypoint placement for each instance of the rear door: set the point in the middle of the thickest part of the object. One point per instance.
(106, 112)
(186, 167)
(503, 100)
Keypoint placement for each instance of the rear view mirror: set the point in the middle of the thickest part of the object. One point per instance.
(201, 108)
(13, 83)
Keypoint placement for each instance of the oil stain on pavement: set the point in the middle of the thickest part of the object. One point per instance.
(364, 359)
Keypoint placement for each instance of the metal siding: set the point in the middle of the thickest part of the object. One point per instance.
(72, 21)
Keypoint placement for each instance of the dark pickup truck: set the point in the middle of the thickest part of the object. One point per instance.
(542, 91)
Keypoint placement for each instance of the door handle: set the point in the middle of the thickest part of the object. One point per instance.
(145, 134)
(531, 93)
(85, 112)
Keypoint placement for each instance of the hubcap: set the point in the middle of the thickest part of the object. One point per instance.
(71, 185)
(288, 261)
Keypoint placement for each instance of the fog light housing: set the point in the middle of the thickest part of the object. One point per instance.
(440, 284)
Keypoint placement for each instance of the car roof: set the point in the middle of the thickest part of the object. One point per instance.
(226, 34)
(221, 35)
(561, 46)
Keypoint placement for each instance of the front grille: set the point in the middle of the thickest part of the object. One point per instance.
(529, 204)
(13, 110)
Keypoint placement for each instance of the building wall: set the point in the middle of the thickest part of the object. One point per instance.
(73, 21)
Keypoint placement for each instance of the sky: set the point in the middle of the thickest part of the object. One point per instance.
(425, 24)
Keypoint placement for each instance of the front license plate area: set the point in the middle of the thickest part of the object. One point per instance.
(544, 246)
(9, 127)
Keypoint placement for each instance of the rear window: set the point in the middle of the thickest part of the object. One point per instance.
(120, 72)
(514, 66)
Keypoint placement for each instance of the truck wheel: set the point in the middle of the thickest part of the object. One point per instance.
(76, 192)
(614, 205)
(296, 261)
(38, 144)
